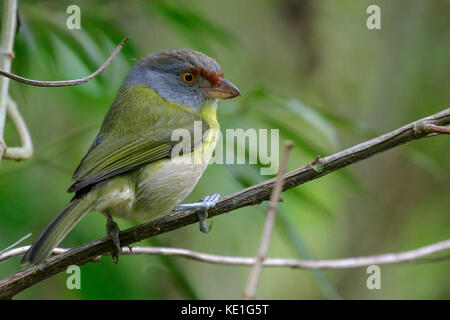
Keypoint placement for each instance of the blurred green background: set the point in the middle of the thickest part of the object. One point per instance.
(310, 68)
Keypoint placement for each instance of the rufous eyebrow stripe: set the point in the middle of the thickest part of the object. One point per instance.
(212, 77)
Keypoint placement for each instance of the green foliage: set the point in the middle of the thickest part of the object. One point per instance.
(196, 28)
(323, 80)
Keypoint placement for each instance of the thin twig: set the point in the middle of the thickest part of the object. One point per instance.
(431, 128)
(65, 83)
(6, 54)
(415, 255)
(255, 274)
(21, 280)
(26, 150)
(14, 244)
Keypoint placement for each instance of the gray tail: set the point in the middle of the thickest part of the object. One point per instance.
(56, 231)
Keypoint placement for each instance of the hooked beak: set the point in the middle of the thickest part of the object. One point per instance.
(224, 89)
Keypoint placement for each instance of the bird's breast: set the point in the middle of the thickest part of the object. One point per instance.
(164, 184)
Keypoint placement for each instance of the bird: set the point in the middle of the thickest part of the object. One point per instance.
(133, 170)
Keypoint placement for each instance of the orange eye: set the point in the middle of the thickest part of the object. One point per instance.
(188, 77)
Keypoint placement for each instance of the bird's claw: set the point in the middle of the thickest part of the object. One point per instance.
(112, 229)
(202, 210)
(210, 201)
(202, 216)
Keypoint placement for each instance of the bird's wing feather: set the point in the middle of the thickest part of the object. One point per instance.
(112, 156)
(125, 158)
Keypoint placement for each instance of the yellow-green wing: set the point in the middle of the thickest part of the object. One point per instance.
(117, 156)
(120, 147)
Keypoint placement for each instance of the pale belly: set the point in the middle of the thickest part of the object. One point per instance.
(154, 190)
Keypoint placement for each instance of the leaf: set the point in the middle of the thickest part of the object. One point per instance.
(294, 238)
(315, 119)
(179, 276)
(195, 27)
(260, 96)
(292, 235)
(349, 125)
(56, 47)
(424, 161)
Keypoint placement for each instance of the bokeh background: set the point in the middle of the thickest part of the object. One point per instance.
(310, 68)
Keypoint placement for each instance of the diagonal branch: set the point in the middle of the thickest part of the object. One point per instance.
(21, 280)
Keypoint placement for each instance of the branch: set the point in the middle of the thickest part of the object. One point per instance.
(347, 263)
(249, 196)
(255, 274)
(431, 128)
(26, 150)
(65, 83)
(6, 54)
(14, 244)
(9, 21)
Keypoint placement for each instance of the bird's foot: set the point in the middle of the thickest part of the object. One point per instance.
(112, 229)
(202, 210)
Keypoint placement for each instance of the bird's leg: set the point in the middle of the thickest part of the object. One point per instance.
(112, 229)
(201, 208)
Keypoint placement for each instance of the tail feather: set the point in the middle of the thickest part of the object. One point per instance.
(56, 231)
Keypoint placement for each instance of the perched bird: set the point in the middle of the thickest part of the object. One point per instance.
(130, 170)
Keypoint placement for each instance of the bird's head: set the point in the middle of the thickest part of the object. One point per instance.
(184, 76)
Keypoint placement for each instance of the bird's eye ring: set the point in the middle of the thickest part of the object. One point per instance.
(188, 77)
